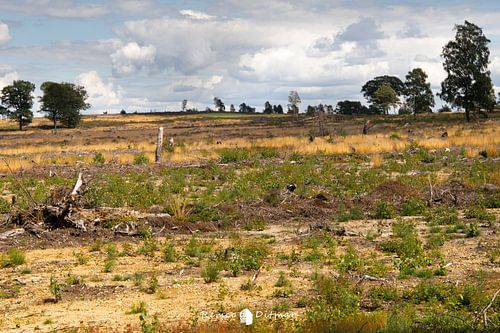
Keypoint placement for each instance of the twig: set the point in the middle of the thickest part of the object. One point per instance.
(19, 183)
(485, 309)
(430, 186)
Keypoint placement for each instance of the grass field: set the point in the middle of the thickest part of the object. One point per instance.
(394, 231)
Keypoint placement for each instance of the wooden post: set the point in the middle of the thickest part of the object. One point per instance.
(159, 145)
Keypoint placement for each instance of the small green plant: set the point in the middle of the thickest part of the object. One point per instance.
(258, 224)
(472, 230)
(350, 261)
(442, 216)
(169, 252)
(282, 281)
(99, 158)
(138, 277)
(211, 272)
(147, 327)
(412, 207)
(55, 289)
(111, 257)
(26, 270)
(149, 247)
(141, 159)
(5, 206)
(197, 249)
(136, 308)
(152, 285)
(234, 155)
(479, 213)
(284, 292)
(384, 210)
(248, 285)
(81, 258)
(73, 280)
(14, 257)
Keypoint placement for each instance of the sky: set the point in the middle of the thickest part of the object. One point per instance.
(142, 55)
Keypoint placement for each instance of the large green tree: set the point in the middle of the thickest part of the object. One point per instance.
(17, 101)
(466, 58)
(63, 102)
(370, 87)
(385, 97)
(418, 92)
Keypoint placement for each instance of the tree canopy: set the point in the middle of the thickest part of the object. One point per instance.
(63, 102)
(370, 87)
(418, 92)
(351, 107)
(466, 58)
(385, 97)
(17, 101)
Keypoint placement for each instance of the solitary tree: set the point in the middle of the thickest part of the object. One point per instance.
(385, 97)
(268, 108)
(184, 104)
(232, 108)
(17, 101)
(294, 101)
(418, 91)
(219, 105)
(63, 102)
(466, 58)
(370, 87)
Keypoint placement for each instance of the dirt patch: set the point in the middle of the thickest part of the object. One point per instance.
(393, 192)
(453, 194)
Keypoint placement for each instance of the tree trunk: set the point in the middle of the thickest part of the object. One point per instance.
(21, 123)
(55, 124)
(467, 115)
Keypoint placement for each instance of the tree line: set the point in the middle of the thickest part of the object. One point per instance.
(468, 85)
(60, 102)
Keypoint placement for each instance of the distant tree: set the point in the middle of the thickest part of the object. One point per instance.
(350, 108)
(329, 109)
(444, 108)
(231, 108)
(311, 110)
(466, 58)
(418, 92)
(219, 105)
(63, 102)
(17, 101)
(385, 97)
(370, 87)
(123, 111)
(278, 109)
(294, 102)
(184, 104)
(268, 108)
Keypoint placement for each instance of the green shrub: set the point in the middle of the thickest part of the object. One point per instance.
(197, 249)
(384, 210)
(269, 153)
(99, 158)
(350, 261)
(412, 207)
(282, 281)
(55, 289)
(137, 308)
(471, 230)
(442, 216)
(141, 159)
(149, 247)
(152, 285)
(211, 272)
(234, 155)
(480, 213)
(169, 252)
(388, 294)
(13, 258)
(5, 206)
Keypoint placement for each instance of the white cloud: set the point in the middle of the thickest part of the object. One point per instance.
(195, 15)
(131, 58)
(7, 76)
(4, 33)
(54, 8)
(102, 96)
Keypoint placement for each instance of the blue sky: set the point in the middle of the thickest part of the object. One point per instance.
(152, 54)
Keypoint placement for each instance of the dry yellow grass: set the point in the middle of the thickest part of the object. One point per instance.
(376, 160)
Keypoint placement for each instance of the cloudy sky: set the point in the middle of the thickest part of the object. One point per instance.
(151, 54)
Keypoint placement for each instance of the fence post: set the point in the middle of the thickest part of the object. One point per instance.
(159, 145)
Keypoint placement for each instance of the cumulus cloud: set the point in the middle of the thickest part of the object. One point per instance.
(7, 76)
(4, 33)
(195, 15)
(192, 83)
(131, 58)
(102, 96)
